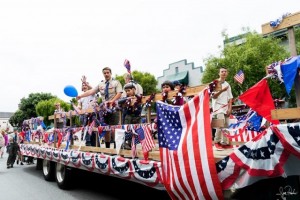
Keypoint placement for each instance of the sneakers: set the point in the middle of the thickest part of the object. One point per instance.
(222, 146)
(22, 163)
(219, 147)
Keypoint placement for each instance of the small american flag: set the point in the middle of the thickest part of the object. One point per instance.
(240, 77)
(127, 65)
(184, 136)
(90, 130)
(145, 138)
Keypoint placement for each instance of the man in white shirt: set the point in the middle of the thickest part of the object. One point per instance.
(110, 90)
(222, 106)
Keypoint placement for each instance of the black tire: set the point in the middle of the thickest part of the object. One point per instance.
(39, 164)
(63, 176)
(48, 170)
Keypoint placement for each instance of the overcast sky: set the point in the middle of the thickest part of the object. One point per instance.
(46, 45)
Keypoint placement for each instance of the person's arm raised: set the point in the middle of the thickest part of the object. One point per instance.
(85, 94)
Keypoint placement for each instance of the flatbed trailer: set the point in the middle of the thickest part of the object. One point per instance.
(58, 161)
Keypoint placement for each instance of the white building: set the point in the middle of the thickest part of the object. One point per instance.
(183, 72)
(4, 124)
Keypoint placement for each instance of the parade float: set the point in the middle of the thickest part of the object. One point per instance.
(182, 160)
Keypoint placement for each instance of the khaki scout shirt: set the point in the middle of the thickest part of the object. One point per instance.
(114, 88)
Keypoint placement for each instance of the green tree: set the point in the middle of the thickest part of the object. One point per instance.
(146, 80)
(46, 108)
(252, 57)
(27, 107)
(17, 119)
(297, 38)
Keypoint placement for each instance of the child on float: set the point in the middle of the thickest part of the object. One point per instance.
(131, 108)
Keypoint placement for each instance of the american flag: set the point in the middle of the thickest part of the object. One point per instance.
(239, 77)
(90, 130)
(145, 138)
(127, 65)
(260, 158)
(184, 136)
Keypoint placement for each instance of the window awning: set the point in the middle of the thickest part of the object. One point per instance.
(182, 77)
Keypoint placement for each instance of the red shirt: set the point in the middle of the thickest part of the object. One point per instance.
(22, 135)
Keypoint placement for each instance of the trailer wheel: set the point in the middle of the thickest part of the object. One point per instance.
(63, 175)
(39, 164)
(48, 170)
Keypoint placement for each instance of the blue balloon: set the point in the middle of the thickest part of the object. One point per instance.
(70, 91)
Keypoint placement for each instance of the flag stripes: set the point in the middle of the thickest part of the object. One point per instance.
(188, 164)
(239, 77)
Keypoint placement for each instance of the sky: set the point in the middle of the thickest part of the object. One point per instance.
(46, 45)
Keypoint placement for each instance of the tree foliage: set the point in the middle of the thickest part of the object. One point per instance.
(17, 119)
(297, 38)
(27, 107)
(146, 80)
(252, 57)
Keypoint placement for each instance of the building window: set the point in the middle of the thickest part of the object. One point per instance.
(176, 70)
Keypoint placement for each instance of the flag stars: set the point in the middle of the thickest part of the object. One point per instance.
(262, 154)
(292, 125)
(273, 143)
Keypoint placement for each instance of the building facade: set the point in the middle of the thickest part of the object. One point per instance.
(4, 121)
(183, 72)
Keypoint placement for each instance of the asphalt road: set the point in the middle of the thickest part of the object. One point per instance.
(27, 183)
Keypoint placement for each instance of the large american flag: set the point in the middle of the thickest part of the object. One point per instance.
(184, 136)
(239, 77)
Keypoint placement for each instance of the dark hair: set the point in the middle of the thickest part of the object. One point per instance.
(223, 67)
(106, 68)
(176, 83)
(169, 83)
(129, 86)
